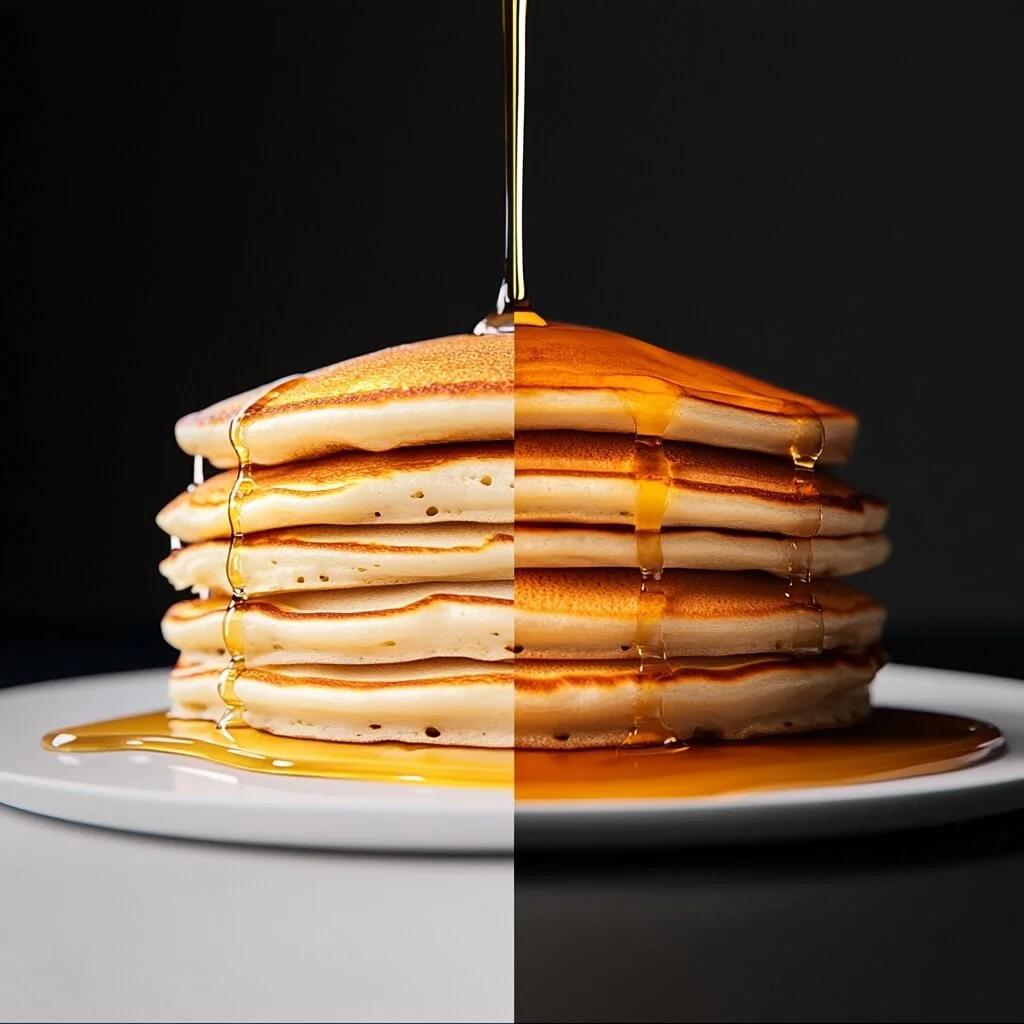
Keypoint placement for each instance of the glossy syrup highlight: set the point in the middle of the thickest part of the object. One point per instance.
(256, 751)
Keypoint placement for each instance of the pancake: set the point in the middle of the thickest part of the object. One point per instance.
(439, 483)
(557, 705)
(568, 476)
(448, 702)
(356, 627)
(593, 613)
(557, 545)
(573, 705)
(581, 378)
(457, 388)
(385, 597)
(338, 557)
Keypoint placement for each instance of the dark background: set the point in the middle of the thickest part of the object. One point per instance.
(198, 198)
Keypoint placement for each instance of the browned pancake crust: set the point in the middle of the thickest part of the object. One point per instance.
(740, 668)
(457, 366)
(695, 467)
(698, 594)
(334, 537)
(484, 677)
(188, 611)
(567, 357)
(340, 471)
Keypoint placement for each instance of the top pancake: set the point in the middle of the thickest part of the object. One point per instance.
(580, 378)
(456, 388)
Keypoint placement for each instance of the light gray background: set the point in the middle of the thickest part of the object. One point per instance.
(104, 926)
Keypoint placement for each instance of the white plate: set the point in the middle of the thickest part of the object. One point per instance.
(164, 794)
(168, 795)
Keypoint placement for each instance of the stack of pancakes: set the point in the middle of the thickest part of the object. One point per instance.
(365, 514)
(372, 557)
(627, 454)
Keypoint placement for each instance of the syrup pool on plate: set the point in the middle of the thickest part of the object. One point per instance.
(892, 744)
(263, 752)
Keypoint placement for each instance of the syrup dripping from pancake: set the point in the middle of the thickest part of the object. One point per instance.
(808, 442)
(651, 414)
(234, 640)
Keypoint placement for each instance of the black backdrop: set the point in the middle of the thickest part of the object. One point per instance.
(198, 198)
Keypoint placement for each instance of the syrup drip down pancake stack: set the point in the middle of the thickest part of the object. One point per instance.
(671, 573)
(676, 551)
(354, 558)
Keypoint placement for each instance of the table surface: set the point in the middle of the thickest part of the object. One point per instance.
(914, 926)
(921, 926)
(105, 926)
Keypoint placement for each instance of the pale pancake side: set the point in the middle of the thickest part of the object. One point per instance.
(457, 388)
(593, 613)
(575, 705)
(338, 557)
(581, 378)
(447, 702)
(557, 545)
(437, 483)
(373, 625)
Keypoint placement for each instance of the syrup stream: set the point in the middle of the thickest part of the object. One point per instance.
(513, 307)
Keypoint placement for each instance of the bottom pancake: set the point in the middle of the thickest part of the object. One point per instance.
(447, 702)
(574, 705)
(559, 705)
